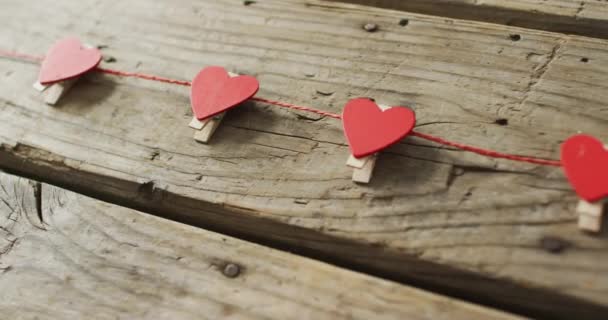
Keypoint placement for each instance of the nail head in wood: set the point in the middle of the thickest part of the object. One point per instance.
(515, 37)
(370, 27)
(231, 270)
(553, 245)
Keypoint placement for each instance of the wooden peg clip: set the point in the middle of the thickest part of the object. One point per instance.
(55, 91)
(363, 168)
(206, 127)
(590, 215)
(39, 86)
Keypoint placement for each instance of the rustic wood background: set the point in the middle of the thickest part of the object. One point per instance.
(586, 17)
(73, 257)
(490, 231)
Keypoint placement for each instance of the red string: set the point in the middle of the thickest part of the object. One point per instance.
(486, 152)
(142, 76)
(296, 107)
(22, 56)
(461, 146)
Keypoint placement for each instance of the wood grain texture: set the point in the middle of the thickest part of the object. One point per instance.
(586, 17)
(443, 219)
(66, 256)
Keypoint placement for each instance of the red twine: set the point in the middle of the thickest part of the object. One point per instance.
(142, 76)
(480, 151)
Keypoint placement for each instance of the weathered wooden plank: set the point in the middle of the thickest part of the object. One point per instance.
(67, 256)
(440, 218)
(587, 17)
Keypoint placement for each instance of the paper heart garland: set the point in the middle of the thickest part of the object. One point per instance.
(214, 91)
(585, 162)
(67, 59)
(368, 129)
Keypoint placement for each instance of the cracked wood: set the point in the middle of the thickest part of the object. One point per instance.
(588, 18)
(452, 221)
(94, 258)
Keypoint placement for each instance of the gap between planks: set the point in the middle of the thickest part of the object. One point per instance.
(585, 18)
(64, 255)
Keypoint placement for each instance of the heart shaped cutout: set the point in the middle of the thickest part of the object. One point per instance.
(67, 59)
(214, 91)
(369, 129)
(585, 162)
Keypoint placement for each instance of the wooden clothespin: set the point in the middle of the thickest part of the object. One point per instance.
(64, 64)
(53, 92)
(370, 128)
(205, 128)
(585, 162)
(363, 168)
(214, 91)
(590, 215)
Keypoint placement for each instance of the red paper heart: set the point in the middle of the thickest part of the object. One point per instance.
(67, 59)
(585, 162)
(368, 129)
(214, 91)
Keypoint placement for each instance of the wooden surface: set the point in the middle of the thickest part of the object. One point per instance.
(586, 17)
(66, 256)
(491, 231)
